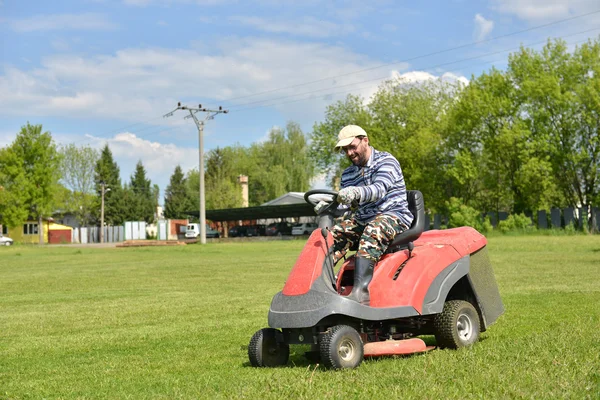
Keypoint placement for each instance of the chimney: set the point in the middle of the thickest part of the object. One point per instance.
(337, 181)
(243, 181)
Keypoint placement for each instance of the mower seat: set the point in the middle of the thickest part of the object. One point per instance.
(416, 205)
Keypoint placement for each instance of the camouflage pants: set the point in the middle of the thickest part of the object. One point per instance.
(372, 238)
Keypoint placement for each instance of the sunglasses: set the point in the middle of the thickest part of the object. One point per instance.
(351, 147)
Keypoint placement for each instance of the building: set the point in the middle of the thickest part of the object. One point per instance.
(29, 232)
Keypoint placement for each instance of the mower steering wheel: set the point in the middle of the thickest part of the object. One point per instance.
(331, 208)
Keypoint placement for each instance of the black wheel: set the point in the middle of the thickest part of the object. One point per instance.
(457, 325)
(267, 349)
(341, 347)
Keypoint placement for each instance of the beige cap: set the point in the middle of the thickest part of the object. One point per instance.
(348, 133)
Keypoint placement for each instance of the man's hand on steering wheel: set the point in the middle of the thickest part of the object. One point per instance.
(329, 205)
(320, 206)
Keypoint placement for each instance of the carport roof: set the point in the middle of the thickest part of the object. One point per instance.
(260, 212)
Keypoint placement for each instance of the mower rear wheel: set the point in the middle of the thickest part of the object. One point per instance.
(457, 325)
(267, 349)
(341, 347)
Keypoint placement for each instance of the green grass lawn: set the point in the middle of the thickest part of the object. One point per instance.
(175, 322)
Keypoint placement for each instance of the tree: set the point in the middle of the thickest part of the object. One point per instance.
(274, 167)
(223, 166)
(408, 121)
(77, 173)
(13, 200)
(279, 165)
(564, 112)
(142, 204)
(31, 169)
(485, 126)
(498, 162)
(177, 200)
(107, 173)
(516, 140)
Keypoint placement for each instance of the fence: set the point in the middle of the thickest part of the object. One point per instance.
(556, 219)
(91, 234)
(135, 230)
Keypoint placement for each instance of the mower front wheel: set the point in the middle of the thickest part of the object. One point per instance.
(457, 325)
(267, 349)
(341, 347)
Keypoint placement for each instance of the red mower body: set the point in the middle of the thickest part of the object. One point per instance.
(440, 259)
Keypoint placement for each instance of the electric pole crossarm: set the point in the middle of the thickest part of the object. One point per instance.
(170, 114)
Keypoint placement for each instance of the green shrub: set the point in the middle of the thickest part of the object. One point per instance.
(516, 222)
(570, 229)
(586, 227)
(463, 215)
(486, 225)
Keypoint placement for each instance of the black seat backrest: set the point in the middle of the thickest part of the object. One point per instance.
(416, 205)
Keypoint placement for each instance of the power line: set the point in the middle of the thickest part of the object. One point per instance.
(137, 123)
(309, 93)
(351, 73)
(418, 57)
(383, 77)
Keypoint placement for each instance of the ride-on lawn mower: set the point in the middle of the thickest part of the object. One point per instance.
(438, 282)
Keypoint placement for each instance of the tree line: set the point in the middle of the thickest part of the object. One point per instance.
(275, 166)
(516, 140)
(39, 179)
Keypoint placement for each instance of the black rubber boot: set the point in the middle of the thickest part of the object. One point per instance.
(363, 272)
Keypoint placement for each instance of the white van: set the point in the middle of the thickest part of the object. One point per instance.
(304, 229)
(193, 231)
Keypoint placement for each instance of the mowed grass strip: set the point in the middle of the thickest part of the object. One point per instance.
(175, 322)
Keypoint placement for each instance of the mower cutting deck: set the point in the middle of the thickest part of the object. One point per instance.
(434, 283)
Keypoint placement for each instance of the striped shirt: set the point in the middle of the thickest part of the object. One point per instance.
(382, 188)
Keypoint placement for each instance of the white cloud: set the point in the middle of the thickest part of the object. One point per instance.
(354, 9)
(483, 27)
(144, 3)
(321, 181)
(144, 84)
(136, 84)
(422, 76)
(543, 10)
(85, 21)
(306, 26)
(206, 19)
(138, 3)
(265, 137)
(159, 159)
(6, 138)
(60, 45)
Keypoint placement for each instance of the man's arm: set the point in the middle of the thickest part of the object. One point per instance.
(386, 177)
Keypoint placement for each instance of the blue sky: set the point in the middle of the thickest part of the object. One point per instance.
(99, 71)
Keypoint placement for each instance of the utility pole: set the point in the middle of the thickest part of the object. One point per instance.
(209, 114)
(104, 190)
